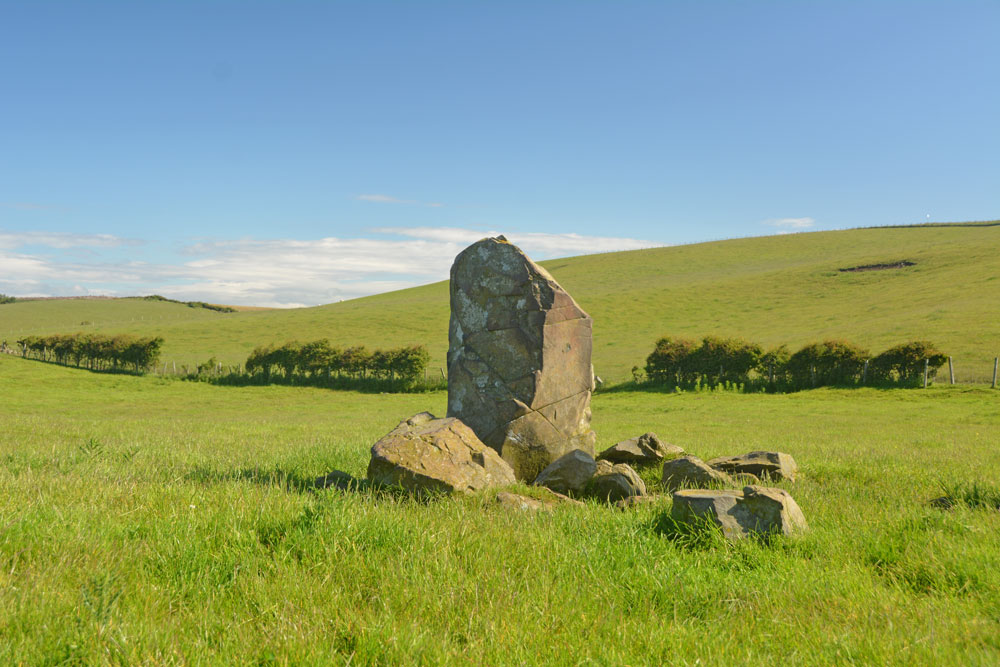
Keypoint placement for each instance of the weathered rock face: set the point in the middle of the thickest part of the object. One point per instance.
(755, 509)
(615, 481)
(519, 371)
(690, 471)
(568, 473)
(426, 454)
(776, 465)
(647, 448)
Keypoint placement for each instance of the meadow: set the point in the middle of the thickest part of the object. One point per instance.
(770, 290)
(149, 520)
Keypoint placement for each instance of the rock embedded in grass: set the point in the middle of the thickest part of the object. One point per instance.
(549, 500)
(690, 471)
(644, 449)
(569, 473)
(519, 358)
(756, 510)
(428, 455)
(615, 481)
(763, 464)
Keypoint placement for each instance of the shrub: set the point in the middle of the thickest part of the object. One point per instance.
(670, 362)
(720, 359)
(904, 364)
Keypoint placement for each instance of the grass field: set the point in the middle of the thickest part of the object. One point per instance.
(776, 289)
(145, 520)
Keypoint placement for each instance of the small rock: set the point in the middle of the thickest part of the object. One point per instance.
(647, 448)
(773, 465)
(426, 454)
(745, 479)
(527, 503)
(690, 471)
(569, 473)
(338, 479)
(754, 510)
(614, 481)
(942, 503)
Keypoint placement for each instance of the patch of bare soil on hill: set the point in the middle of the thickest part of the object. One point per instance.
(879, 267)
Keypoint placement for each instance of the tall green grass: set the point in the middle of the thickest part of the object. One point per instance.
(149, 521)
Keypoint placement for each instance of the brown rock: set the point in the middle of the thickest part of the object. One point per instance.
(690, 471)
(568, 473)
(754, 510)
(426, 454)
(773, 465)
(615, 481)
(519, 371)
(647, 448)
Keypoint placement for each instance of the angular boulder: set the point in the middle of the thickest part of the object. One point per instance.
(754, 510)
(519, 371)
(425, 454)
(773, 465)
(615, 481)
(569, 473)
(647, 448)
(691, 472)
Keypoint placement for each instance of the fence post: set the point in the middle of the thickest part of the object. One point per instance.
(951, 371)
(864, 373)
(927, 367)
(996, 360)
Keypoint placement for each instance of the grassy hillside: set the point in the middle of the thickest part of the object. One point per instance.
(776, 289)
(151, 521)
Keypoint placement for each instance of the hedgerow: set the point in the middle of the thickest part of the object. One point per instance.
(718, 361)
(121, 352)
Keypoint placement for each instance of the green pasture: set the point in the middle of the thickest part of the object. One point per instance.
(154, 521)
(775, 289)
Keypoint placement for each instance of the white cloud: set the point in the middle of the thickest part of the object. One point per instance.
(389, 199)
(62, 240)
(272, 272)
(791, 223)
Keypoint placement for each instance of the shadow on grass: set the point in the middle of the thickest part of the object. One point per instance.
(285, 479)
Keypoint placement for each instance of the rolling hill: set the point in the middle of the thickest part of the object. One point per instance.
(776, 289)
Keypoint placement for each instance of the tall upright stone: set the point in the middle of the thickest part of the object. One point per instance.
(519, 371)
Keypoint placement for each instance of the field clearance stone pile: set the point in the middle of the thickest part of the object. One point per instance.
(520, 381)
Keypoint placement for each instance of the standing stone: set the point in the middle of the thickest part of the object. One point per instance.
(519, 371)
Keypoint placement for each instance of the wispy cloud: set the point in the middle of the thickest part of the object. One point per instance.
(266, 272)
(791, 223)
(63, 240)
(389, 199)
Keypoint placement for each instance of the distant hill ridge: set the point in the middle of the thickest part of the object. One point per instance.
(774, 289)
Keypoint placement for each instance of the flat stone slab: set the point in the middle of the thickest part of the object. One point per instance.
(756, 510)
(764, 464)
(644, 449)
(425, 454)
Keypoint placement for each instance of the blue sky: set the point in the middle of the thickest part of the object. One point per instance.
(296, 153)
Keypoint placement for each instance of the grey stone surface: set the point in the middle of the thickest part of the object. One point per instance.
(754, 510)
(519, 347)
(615, 481)
(644, 449)
(569, 473)
(426, 454)
(773, 465)
(690, 471)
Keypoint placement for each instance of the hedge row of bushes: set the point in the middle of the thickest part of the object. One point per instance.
(191, 304)
(320, 360)
(715, 360)
(7, 299)
(95, 351)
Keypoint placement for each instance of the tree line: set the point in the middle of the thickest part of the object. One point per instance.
(120, 352)
(717, 360)
(318, 361)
